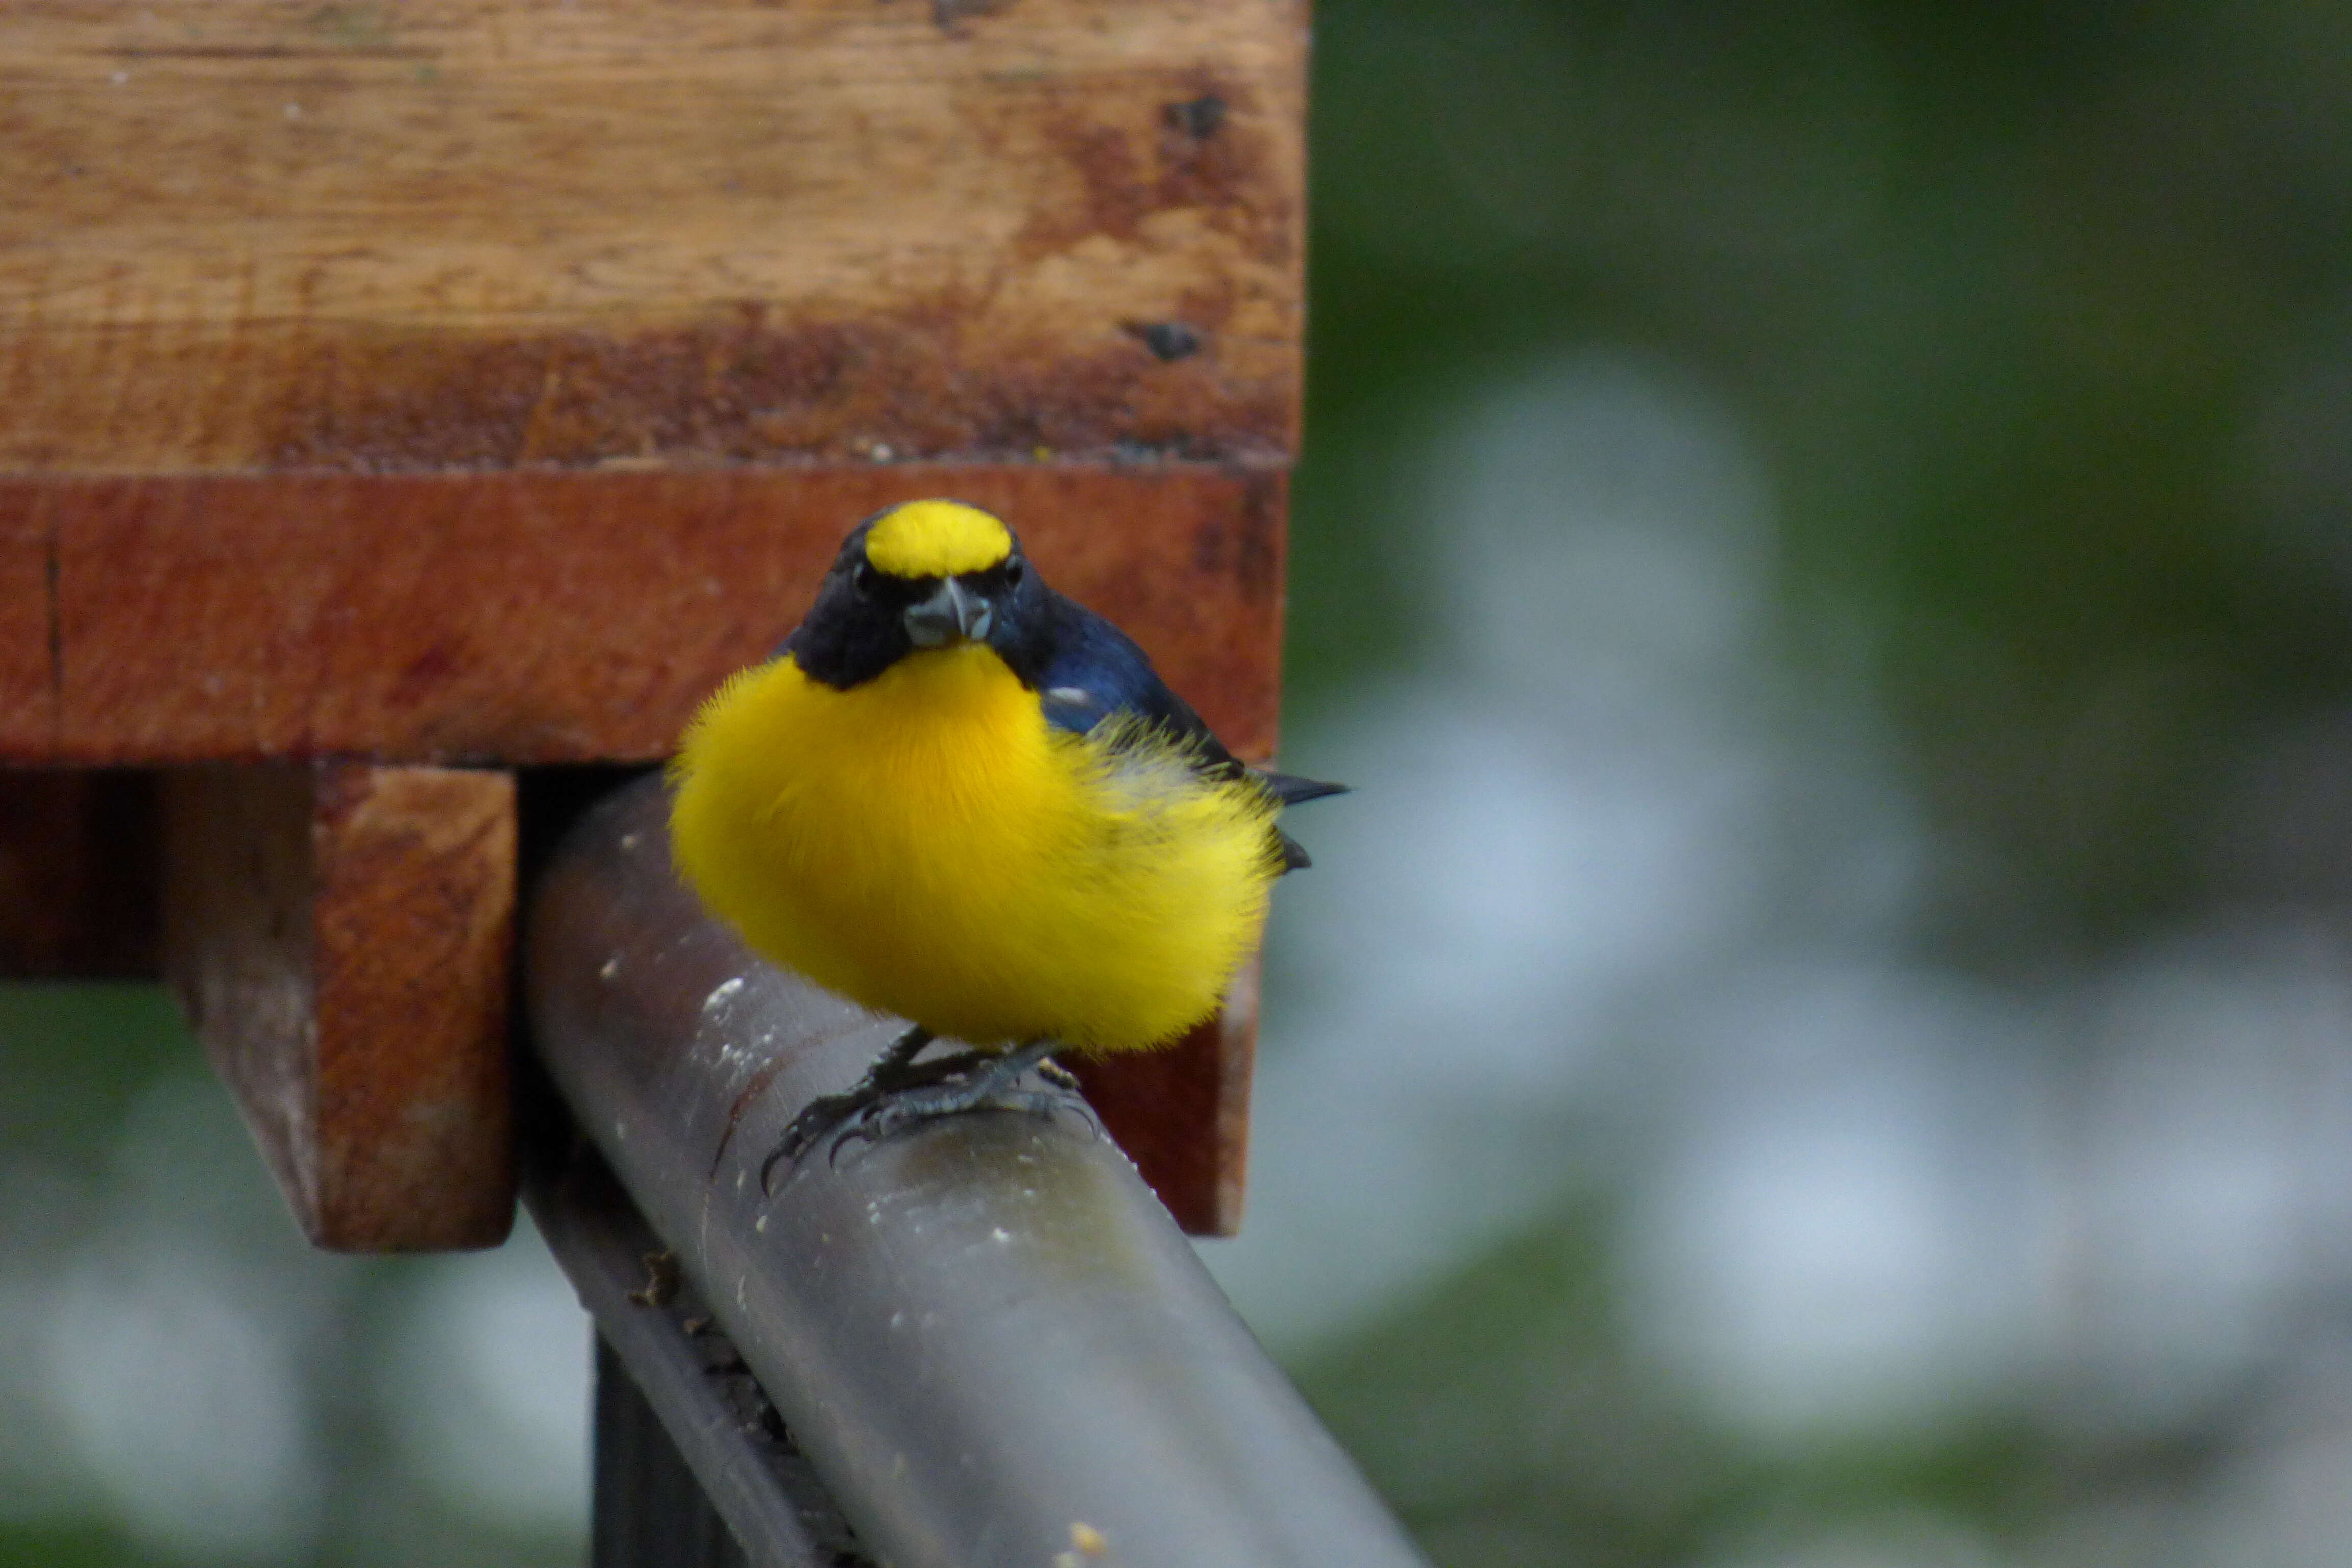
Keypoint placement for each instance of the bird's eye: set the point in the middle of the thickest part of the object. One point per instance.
(865, 579)
(1013, 572)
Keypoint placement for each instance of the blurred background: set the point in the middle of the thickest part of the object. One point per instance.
(1825, 547)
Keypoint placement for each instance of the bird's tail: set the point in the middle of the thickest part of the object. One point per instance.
(1292, 790)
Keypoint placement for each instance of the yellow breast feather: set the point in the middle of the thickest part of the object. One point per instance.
(925, 844)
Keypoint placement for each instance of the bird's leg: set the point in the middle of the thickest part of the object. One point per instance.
(896, 1061)
(891, 1071)
(990, 1081)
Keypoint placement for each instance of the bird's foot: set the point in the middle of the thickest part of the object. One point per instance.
(970, 1080)
(898, 1093)
(894, 1069)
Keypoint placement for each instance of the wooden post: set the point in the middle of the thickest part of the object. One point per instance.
(394, 397)
(339, 935)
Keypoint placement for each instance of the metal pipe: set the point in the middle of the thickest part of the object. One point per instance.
(685, 1436)
(985, 1334)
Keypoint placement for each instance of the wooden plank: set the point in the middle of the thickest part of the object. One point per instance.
(272, 234)
(549, 617)
(340, 936)
(77, 875)
(27, 695)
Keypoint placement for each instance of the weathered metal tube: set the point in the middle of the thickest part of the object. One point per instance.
(985, 1334)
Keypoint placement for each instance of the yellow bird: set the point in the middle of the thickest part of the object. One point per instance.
(960, 798)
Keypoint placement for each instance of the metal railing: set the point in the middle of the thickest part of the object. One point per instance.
(983, 1341)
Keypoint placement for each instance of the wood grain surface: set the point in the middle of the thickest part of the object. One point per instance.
(548, 616)
(339, 935)
(280, 234)
(28, 623)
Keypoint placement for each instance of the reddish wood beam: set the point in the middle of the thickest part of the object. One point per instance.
(548, 616)
(28, 705)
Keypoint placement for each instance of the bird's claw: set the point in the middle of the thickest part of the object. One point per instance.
(889, 1118)
(903, 1095)
(802, 1133)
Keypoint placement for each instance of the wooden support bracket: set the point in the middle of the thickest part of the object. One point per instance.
(339, 935)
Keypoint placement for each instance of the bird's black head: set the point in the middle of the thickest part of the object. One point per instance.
(925, 575)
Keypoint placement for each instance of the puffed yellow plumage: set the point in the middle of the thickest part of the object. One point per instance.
(957, 796)
(927, 844)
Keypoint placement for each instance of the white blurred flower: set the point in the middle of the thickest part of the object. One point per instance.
(1604, 525)
(488, 1387)
(1849, 1222)
(42, 1210)
(1547, 826)
(187, 1406)
(2216, 1167)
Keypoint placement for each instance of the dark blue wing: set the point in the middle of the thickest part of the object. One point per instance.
(1094, 671)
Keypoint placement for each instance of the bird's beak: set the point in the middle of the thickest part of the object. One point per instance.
(952, 611)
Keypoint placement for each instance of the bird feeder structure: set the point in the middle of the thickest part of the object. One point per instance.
(409, 408)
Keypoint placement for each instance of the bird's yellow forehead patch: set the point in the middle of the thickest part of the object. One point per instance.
(937, 539)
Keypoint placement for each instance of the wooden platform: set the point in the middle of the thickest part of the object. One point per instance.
(392, 397)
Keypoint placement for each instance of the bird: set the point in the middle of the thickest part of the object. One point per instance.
(955, 796)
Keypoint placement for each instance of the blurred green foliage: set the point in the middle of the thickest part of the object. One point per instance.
(2002, 290)
(1500, 1415)
(2040, 318)
(74, 1059)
